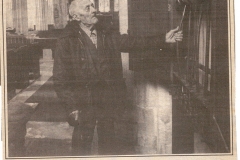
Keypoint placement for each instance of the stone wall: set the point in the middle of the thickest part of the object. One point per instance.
(153, 105)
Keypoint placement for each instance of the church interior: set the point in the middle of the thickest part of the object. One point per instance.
(178, 99)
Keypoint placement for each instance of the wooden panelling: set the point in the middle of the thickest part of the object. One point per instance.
(147, 18)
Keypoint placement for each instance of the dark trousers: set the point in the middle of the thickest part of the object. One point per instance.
(100, 109)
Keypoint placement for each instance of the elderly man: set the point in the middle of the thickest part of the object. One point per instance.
(87, 75)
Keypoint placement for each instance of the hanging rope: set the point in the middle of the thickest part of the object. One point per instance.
(180, 28)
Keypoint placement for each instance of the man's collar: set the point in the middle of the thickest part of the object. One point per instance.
(88, 30)
(73, 28)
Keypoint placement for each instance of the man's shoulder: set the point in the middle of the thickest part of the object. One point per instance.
(71, 30)
(68, 34)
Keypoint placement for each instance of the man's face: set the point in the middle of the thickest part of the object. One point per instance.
(87, 13)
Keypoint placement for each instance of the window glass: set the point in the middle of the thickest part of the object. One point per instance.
(116, 5)
(202, 42)
(104, 5)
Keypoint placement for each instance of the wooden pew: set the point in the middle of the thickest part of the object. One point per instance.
(22, 63)
(34, 51)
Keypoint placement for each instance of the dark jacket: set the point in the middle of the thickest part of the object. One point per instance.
(76, 66)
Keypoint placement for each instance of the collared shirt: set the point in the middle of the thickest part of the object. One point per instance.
(91, 34)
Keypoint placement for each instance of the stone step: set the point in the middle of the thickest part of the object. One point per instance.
(51, 139)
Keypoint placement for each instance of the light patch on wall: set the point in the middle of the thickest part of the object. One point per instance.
(157, 96)
(154, 119)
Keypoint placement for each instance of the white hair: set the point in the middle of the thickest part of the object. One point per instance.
(74, 7)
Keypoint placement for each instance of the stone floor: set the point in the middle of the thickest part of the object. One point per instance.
(44, 136)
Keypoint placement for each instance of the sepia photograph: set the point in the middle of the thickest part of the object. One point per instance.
(118, 79)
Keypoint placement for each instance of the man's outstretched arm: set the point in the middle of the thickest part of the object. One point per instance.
(128, 43)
